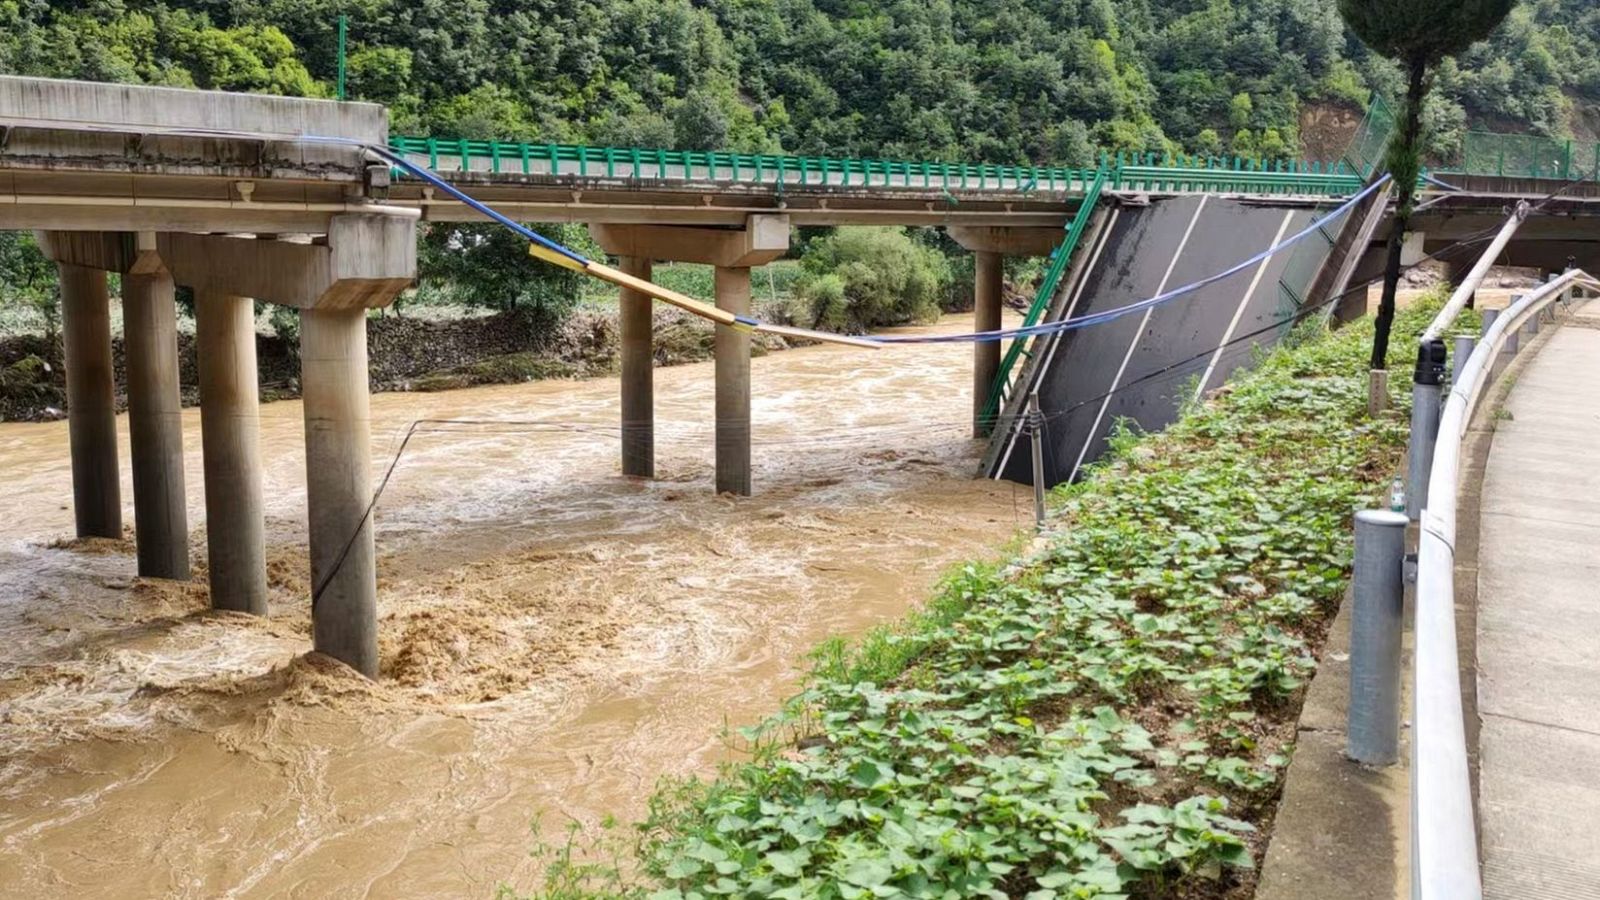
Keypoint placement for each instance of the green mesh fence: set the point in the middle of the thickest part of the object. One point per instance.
(1365, 153)
(1524, 156)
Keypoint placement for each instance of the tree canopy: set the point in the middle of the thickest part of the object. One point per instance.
(1423, 31)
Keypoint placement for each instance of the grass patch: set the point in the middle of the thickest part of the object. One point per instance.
(1108, 717)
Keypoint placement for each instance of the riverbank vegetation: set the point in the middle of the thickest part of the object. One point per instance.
(1108, 715)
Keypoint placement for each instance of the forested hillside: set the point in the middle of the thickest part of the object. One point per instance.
(994, 80)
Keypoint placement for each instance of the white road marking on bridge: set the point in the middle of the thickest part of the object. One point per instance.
(1082, 282)
(1134, 344)
(1238, 314)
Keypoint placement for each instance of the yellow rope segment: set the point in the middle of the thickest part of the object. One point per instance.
(689, 304)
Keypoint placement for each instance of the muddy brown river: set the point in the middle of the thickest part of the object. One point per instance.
(555, 638)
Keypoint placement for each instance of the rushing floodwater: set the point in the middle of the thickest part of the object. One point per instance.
(555, 638)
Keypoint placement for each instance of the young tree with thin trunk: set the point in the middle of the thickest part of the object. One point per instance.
(1417, 34)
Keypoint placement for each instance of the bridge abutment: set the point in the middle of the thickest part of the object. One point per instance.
(230, 443)
(638, 374)
(155, 425)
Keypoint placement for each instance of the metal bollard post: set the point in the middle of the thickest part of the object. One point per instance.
(1461, 353)
(1372, 732)
(1036, 423)
(1497, 362)
(1512, 335)
(1424, 424)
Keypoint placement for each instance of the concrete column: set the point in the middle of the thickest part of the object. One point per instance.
(333, 382)
(230, 438)
(733, 384)
(990, 270)
(155, 426)
(91, 404)
(638, 375)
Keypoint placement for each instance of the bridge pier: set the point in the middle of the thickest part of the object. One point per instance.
(989, 270)
(733, 252)
(333, 384)
(230, 443)
(91, 404)
(732, 350)
(638, 374)
(990, 245)
(155, 425)
(365, 261)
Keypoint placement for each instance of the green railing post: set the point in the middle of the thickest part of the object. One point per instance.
(466, 161)
(344, 30)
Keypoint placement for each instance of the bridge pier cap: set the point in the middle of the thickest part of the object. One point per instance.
(366, 262)
(763, 239)
(1007, 240)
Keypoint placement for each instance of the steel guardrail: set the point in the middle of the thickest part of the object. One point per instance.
(1444, 844)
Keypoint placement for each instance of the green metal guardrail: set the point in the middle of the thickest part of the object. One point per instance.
(496, 157)
(1147, 171)
(1243, 177)
(1059, 263)
(1525, 156)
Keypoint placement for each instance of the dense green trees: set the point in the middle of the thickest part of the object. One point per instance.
(993, 80)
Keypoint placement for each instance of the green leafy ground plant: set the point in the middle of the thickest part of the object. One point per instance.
(1107, 716)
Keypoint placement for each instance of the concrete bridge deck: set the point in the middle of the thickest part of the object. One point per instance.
(1538, 628)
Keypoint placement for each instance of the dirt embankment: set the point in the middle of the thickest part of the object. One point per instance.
(1327, 128)
(404, 354)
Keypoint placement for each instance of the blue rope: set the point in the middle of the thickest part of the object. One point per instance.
(434, 180)
(484, 208)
